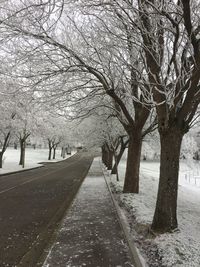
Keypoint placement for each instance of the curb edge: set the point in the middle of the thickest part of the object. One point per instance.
(136, 258)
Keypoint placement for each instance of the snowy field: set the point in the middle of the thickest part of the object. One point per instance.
(181, 248)
(32, 159)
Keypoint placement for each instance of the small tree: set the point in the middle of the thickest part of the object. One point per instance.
(51, 129)
(7, 118)
(25, 122)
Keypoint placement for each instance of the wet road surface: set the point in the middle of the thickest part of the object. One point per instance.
(32, 203)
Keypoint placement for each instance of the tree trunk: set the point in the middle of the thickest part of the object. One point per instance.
(118, 158)
(54, 153)
(106, 158)
(50, 150)
(4, 147)
(1, 160)
(63, 152)
(22, 152)
(23, 158)
(109, 159)
(165, 218)
(21, 148)
(104, 154)
(116, 163)
(131, 183)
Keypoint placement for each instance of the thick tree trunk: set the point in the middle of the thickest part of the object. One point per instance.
(131, 183)
(104, 154)
(110, 159)
(22, 152)
(165, 218)
(106, 157)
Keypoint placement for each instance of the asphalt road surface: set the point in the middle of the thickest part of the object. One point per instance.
(32, 203)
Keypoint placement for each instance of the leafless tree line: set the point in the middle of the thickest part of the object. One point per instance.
(143, 55)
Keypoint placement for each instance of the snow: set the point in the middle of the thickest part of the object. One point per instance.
(181, 248)
(33, 158)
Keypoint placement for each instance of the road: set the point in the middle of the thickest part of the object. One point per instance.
(32, 203)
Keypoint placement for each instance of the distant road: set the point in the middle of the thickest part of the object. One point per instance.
(32, 203)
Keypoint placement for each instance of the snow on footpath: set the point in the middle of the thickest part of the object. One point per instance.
(178, 249)
(90, 234)
(33, 159)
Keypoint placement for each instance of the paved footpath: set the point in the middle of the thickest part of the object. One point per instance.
(90, 234)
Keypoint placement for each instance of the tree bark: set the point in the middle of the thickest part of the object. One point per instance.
(165, 218)
(1, 159)
(107, 156)
(118, 158)
(4, 147)
(103, 149)
(131, 183)
(63, 152)
(22, 152)
(110, 159)
(116, 163)
(54, 152)
(50, 151)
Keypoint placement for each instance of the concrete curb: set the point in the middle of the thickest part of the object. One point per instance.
(136, 258)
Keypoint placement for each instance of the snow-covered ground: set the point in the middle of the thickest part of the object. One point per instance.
(181, 248)
(32, 159)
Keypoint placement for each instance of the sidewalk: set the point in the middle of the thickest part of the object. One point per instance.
(90, 234)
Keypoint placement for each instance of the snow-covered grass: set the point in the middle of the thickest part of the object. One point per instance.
(181, 248)
(32, 159)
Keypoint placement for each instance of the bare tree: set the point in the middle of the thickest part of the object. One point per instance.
(171, 48)
(25, 122)
(112, 64)
(7, 117)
